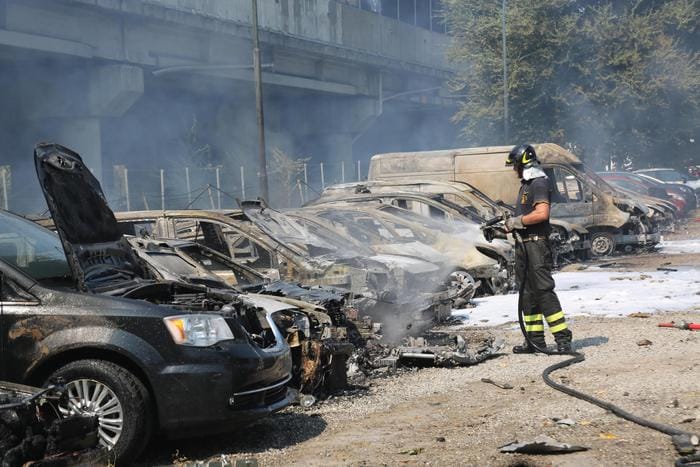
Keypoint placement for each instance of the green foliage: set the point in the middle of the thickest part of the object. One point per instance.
(610, 79)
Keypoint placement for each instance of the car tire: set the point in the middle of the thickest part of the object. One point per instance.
(99, 386)
(602, 244)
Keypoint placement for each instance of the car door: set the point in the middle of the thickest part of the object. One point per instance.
(572, 199)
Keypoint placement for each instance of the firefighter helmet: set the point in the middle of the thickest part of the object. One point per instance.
(523, 156)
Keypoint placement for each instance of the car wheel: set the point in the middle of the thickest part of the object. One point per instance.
(117, 397)
(602, 244)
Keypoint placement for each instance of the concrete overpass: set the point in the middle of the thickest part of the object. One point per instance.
(148, 82)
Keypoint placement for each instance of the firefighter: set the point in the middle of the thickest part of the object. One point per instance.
(533, 258)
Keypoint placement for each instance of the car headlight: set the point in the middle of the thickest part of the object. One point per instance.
(198, 330)
(574, 237)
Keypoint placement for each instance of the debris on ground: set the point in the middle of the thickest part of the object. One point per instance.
(436, 348)
(639, 315)
(412, 452)
(447, 349)
(499, 385)
(564, 421)
(644, 342)
(541, 445)
(32, 432)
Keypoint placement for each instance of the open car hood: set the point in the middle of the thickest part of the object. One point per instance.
(100, 257)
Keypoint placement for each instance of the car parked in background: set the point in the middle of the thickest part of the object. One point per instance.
(682, 197)
(671, 176)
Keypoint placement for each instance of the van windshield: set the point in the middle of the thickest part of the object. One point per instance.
(598, 182)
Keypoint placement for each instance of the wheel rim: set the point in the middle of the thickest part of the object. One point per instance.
(461, 284)
(601, 245)
(91, 398)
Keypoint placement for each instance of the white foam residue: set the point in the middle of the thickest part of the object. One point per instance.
(680, 246)
(604, 293)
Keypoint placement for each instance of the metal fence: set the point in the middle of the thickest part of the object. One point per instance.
(130, 189)
(222, 187)
(426, 14)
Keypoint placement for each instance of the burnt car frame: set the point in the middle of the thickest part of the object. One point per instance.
(490, 267)
(456, 203)
(318, 342)
(579, 195)
(371, 280)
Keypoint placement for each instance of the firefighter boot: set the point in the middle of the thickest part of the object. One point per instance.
(535, 333)
(563, 339)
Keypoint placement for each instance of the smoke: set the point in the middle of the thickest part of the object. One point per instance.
(201, 118)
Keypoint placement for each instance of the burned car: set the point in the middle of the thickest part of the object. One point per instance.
(318, 342)
(292, 254)
(132, 349)
(319, 347)
(457, 203)
(579, 196)
(485, 269)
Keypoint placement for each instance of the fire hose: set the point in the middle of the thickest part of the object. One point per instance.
(684, 441)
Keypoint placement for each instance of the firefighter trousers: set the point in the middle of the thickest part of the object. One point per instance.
(539, 301)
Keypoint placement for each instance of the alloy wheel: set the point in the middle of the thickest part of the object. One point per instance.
(91, 398)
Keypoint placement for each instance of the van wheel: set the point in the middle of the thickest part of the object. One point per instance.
(119, 400)
(602, 244)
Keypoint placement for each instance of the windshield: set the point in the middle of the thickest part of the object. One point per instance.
(630, 186)
(361, 227)
(668, 175)
(426, 222)
(332, 238)
(31, 248)
(595, 179)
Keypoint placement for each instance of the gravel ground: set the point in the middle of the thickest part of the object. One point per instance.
(438, 416)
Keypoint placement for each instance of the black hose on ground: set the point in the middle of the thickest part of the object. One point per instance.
(683, 440)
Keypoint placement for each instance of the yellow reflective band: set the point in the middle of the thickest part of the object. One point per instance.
(557, 328)
(532, 318)
(535, 327)
(555, 317)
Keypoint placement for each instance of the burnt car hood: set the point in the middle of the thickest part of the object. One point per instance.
(100, 258)
(416, 250)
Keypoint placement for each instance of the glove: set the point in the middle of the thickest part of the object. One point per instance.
(514, 223)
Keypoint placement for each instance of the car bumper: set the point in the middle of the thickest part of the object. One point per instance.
(223, 388)
(647, 239)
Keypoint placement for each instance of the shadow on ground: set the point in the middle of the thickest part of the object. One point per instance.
(595, 341)
(276, 432)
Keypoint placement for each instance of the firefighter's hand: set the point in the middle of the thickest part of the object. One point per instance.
(514, 223)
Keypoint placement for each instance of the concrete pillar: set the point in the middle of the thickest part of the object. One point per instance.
(69, 107)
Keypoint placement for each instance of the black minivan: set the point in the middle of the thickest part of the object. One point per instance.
(144, 355)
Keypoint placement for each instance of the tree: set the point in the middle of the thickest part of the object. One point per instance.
(611, 79)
